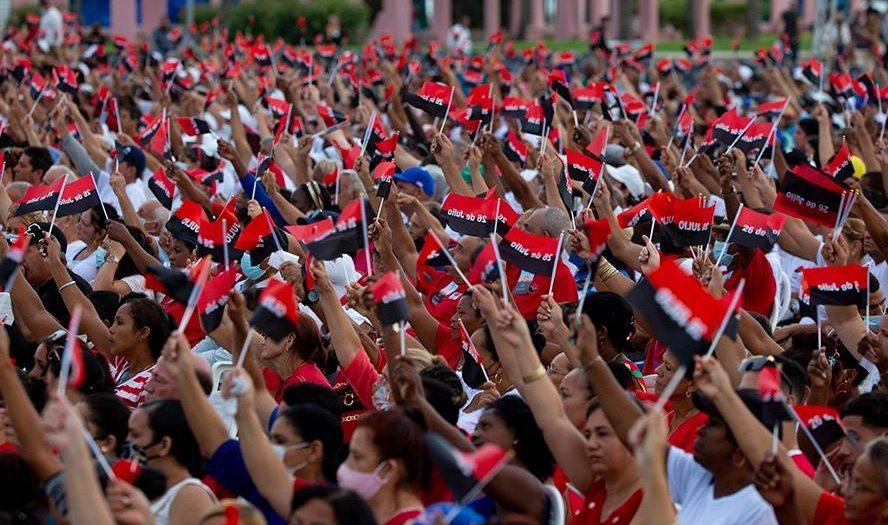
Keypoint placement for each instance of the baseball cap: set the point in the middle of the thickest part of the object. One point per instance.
(418, 177)
(133, 155)
(36, 230)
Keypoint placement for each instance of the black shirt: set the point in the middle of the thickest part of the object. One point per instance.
(52, 299)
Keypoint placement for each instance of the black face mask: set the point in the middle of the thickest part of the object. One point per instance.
(137, 453)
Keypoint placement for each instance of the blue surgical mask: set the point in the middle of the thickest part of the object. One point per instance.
(253, 273)
(100, 256)
(873, 322)
(721, 246)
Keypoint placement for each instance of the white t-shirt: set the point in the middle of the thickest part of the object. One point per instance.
(692, 490)
(51, 25)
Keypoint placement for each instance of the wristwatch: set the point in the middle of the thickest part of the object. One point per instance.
(113, 259)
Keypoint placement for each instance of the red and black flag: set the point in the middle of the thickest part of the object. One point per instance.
(37, 85)
(214, 297)
(644, 53)
(823, 422)
(465, 473)
(162, 188)
(515, 149)
(506, 216)
(586, 97)
(40, 197)
(277, 313)
(536, 254)
(172, 282)
(485, 268)
(558, 83)
(692, 222)
(839, 166)
(773, 401)
(473, 372)
(480, 104)
(683, 315)
(310, 231)
(433, 98)
(193, 126)
(258, 237)
(110, 114)
(757, 137)
(547, 105)
(514, 107)
(635, 215)
(13, 259)
(662, 207)
(65, 79)
(598, 232)
(78, 196)
(185, 222)
(835, 285)
(391, 299)
(757, 230)
(168, 70)
(532, 120)
(152, 129)
(770, 110)
(346, 237)
(383, 175)
(730, 126)
(581, 167)
(469, 215)
(261, 55)
(330, 116)
(809, 194)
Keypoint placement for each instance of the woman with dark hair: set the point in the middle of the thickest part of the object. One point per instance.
(294, 359)
(330, 506)
(614, 321)
(140, 329)
(106, 419)
(305, 444)
(387, 466)
(160, 436)
(508, 422)
(86, 255)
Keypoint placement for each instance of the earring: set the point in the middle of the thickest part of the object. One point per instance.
(497, 377)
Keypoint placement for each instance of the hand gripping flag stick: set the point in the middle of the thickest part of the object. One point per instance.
(500, 270)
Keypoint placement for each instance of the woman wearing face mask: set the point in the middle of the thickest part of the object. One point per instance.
(304, 449)
(305, 446)
(387, 465)
(159, 436)
(106, 418)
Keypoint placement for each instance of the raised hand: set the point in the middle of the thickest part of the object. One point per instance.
(774, 481)
(710, 378)
(649, 257)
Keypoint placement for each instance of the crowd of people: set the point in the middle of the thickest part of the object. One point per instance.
(250, 282)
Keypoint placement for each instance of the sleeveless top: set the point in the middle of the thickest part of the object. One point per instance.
(590, 513)
(161, 508)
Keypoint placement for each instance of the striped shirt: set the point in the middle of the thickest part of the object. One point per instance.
(130, 388)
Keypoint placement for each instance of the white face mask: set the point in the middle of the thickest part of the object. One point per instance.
(281, 452)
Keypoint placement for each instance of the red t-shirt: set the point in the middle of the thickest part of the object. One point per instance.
(361, 375)
(572, 496)
(447, 346)
(304, 373)
(760, 288)
(830, 510)
(653, 356)
(590, 514)
(528, 289)
(684, 435)
(440, 293)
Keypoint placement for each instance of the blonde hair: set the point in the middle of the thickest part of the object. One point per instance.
(854, 229)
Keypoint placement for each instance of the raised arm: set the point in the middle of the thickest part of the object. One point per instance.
(33, 446)
(523, 194)
(208, 428)
(522, 365)
(445, 154)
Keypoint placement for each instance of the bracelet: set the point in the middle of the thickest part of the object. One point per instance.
(112, 259)
(537, 374)
(67, 284)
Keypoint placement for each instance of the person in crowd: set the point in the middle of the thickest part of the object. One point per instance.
(250, 280)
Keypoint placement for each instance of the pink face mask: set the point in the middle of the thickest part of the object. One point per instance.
(366, 484)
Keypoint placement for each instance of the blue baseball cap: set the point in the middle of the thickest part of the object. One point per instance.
(418, 177)
(133, 155)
